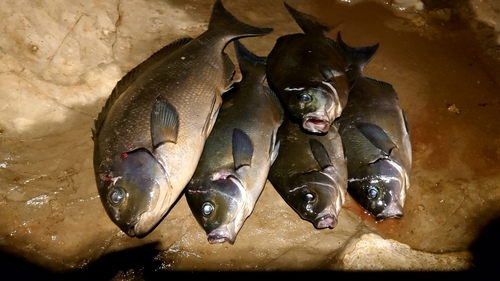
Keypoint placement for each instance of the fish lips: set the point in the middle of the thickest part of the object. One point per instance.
(393, 210)
(325, 221)
(316, 122)
(221, 235)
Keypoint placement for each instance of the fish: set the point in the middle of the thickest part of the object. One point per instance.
(310, 173)
(308, 73)
(150, 134)
(376, 141)
(233, 168)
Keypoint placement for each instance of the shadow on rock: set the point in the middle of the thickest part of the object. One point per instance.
(486, 247)
(131, 264)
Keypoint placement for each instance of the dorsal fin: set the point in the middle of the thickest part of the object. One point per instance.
(132, 76)
(382, 84)
(307, 23)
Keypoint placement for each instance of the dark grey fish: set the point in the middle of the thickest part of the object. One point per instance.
(234, 165)
(310, 173)
(376, 141)
(307, 72)
(151, 131)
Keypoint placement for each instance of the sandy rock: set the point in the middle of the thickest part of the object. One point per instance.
(372, 252)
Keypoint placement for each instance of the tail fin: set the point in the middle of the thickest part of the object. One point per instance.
(357, 57)
(248, 61)
(222, 19)
(307, 22)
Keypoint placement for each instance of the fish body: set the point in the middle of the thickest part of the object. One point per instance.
(376, 142)
(310, 173)
(151, 131)
(308, 73)
(234, 165)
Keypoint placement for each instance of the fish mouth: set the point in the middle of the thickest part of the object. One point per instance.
(316, 122)
(393, 210)
(221, 235)
(131, 228)
(326, 221)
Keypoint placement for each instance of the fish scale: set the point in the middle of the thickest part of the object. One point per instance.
(376, 141)
(234, 165)
(308, 73)
(151, 131)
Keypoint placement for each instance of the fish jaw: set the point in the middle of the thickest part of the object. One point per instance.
(316, 197)
(133, 187)
(227, 199)
(382, 190)
(235, 216)
(316, 122)
(325, 221)
(393, 210)
(221, 235)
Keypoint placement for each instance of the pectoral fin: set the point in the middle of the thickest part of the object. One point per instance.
(242, 149)
(320, 154)
(376, 136)
(164, 123)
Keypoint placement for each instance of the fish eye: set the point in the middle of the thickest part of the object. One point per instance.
(207, 209)
(303, 97)
(372, 192)
(116, 196)
(309, 197)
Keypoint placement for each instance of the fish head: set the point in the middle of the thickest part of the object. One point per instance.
(382, 192)
(130, 192)
(316, 198)
(219, 207)
(316, 106)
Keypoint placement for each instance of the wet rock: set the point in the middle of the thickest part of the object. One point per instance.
(408, 4)
(441, 14)
(373, 253)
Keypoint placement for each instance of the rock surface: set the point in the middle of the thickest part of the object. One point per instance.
(59, 61)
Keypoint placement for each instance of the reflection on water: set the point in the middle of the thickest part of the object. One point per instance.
(52, 214)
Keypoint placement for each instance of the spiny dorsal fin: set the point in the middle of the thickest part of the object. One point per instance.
(376, 136)
(338, 48)
(320, 154)
(132, 76)
(242, 149)
(307, 22)
(382, 84)
(164, 123)
(358, 57)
